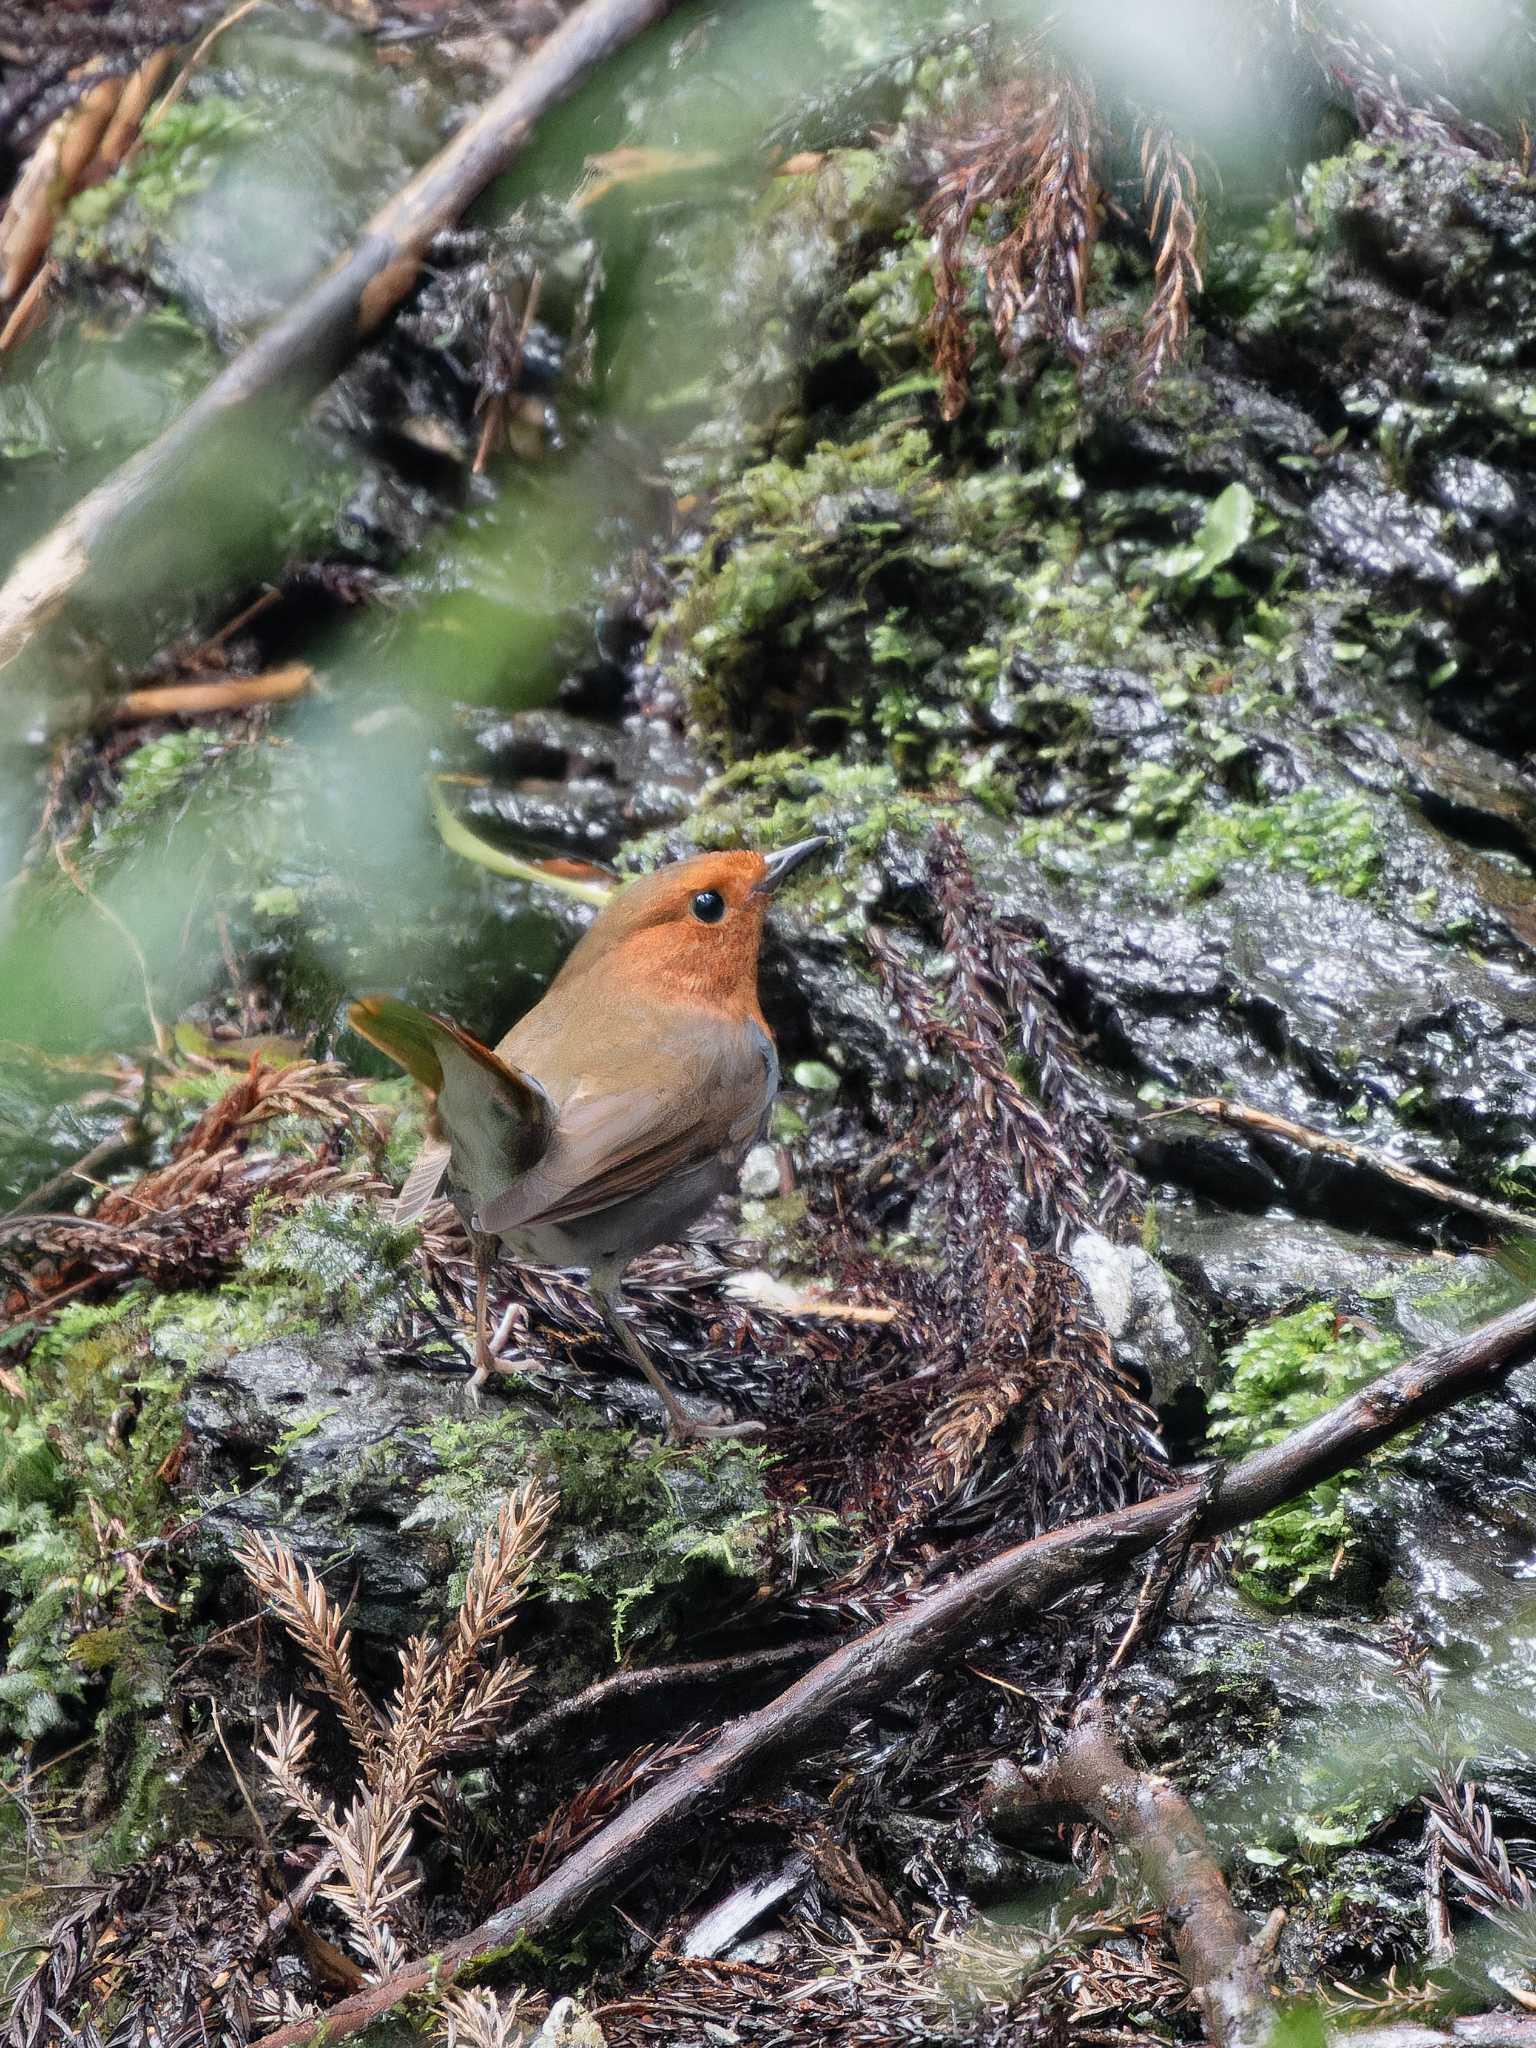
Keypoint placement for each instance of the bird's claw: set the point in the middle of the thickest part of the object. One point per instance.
(715, 1432)
(718, 1427)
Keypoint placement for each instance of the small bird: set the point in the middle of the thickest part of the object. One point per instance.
(613, 1114)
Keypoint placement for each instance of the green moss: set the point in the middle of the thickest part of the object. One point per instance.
(155, 778)
(177, 157)
(1280, 1376)
(339, 1255)
(648, 1540)
(1332, 842)
(864, 590)
(80, 1494)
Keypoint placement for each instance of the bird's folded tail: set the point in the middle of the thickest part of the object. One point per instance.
(494, 1121)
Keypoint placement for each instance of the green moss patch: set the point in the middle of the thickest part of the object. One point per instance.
(82, 1508)
(1282, 1375)
(651, 1543)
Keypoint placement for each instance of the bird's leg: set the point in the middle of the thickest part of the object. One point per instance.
(484, 1251)
(681, 1426)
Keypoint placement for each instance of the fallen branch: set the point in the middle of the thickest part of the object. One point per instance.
(1146, 1814)
(222, 693)
(936, 1625)
(1357, 1155)
(163, 523)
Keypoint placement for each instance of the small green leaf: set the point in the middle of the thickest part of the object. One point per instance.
(815, 1077)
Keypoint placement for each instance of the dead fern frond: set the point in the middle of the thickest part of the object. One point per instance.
(1476, 1859)
(576, 1819)
(498, 1575)
(1390, 91)
(161, 1956)
(1173, 223)
(445, 1697)
(318, 1625)
(372, 1842)
(1035, 1418)
(186, 1223)
(1462, 1841)
(1027, 157)
(478, 2019)
(1037, 277)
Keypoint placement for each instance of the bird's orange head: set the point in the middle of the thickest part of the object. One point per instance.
(689, 932)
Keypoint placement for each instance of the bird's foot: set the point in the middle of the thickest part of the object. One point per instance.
(488, 1356)
(716, 1432)
(715, 1426)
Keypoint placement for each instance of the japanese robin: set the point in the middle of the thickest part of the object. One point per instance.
(613, 1114)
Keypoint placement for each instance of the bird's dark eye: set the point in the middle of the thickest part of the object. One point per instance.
(709, 906)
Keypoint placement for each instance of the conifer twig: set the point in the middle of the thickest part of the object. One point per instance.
(445, 1696)
(1172, 199)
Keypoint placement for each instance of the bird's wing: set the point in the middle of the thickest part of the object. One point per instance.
(610, 1147)
(494, 1121)
(419, 1189)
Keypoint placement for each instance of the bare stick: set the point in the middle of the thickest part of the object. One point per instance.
(627, 1686)
(177, 490)
(936, 1625)
(1358, 1155)
(224, 693)
(1149, 1816)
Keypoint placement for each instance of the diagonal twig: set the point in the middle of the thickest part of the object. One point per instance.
(1324, 1143)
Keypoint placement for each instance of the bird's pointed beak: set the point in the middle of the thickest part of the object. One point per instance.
(782, 864)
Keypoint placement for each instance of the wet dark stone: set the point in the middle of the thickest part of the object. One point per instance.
(1245, 1269)
(338, 1485)
(1378, 536)
(560, 782)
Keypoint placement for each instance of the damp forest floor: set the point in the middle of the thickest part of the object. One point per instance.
(1129, 569)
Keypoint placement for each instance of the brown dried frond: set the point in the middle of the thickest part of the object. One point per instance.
(445, 1696)
(1173, 223)
(1037, 277)
(1474, 1852)
(159, 1957)
(1389, 93)
(1028, 152)
(185, 1223)
(857, 1891)
(498, 1573)
(318, 1625)
(1025, 1137)
(1462, 1840)
(372, 1841)
(478, 2019)
(1028, 1414)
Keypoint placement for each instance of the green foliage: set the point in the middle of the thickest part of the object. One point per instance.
(1224, 529)
(1280, 1376)
(1332, 842)
(847, 589)
(152, 779)
(338, 1256)
(177, 157)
